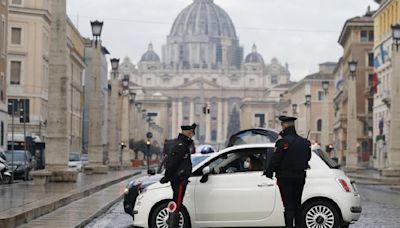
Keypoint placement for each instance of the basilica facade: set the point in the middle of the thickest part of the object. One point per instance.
(203, 77)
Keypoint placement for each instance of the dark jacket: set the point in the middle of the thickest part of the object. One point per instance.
(179, 164)
(291, 156)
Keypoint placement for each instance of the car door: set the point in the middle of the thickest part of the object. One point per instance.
(233, 193)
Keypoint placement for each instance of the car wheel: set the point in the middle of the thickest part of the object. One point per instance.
(159, 217)
(321, 214)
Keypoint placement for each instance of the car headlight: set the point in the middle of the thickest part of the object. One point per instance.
(126, 191)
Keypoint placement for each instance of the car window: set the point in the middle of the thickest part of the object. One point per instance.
(74, 157)
(243, 160)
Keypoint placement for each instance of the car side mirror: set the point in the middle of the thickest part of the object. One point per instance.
(206, 171)
(151, 172)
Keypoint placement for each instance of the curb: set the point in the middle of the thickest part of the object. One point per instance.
(99, 212)
(54, 203)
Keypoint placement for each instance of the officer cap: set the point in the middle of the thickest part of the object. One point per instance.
(287, 119)
(189, 127)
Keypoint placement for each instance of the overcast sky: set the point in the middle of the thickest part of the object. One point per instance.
(302, 33)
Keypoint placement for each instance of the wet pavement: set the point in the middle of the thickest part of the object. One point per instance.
(381, 209)
(26, 201)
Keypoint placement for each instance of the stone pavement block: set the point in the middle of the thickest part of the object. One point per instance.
(80, 212)
(25, 201)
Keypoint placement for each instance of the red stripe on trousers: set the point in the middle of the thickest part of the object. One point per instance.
(180, 193)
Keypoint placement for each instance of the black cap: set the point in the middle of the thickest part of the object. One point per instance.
(188, 127)
(286, 119)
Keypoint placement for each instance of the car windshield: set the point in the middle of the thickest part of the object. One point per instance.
(18, 156)
(74, 157)
(327, 159)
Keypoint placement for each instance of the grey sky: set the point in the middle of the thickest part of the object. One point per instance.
(302, 33)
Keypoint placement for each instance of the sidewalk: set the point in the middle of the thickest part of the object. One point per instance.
(24, 201)
(81, 212)
(372, 176)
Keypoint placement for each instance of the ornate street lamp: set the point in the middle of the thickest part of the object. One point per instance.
(325, 86)
(396, 35)
(294, 109)
(308, 99)
(97, 27)
(353, 68)
(114, 66)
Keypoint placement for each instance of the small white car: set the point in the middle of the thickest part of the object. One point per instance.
(75, 161)
(223, 193)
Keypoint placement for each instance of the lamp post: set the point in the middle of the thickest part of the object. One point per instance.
(97, 27)
(308, 114)
(352, 155)
(394, 143)
(325, 113)
(149, 135)
(294, 109)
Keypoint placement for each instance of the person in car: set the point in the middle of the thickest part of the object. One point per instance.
(289, 162)
(178, 170)
(252, 163)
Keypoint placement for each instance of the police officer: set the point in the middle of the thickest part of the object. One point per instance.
(178, 170)
(289, 162)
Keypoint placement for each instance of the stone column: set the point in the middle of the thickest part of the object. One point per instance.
(59, 104)
(113, 153)
(191, 115)
(220, 138)
(125, 129)
(351, 151)
(226, 119)
(207, 133)
(394, 141)
(180, 113)
(174, 122)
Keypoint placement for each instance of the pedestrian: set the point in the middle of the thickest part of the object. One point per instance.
(178, 170)
(289, 162)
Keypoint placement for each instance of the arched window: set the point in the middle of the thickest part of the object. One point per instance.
(319, 125)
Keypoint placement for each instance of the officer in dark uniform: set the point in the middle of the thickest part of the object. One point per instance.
(179, 169)
(289, 162)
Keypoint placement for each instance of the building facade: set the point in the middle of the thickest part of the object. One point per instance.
(353, 100)
(3, 72)
(387, 15)
(202, 68)
(311, 119)
(28, 65)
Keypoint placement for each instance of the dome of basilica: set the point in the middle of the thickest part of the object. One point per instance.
(150, 55)
(254, 56)
(203, 17)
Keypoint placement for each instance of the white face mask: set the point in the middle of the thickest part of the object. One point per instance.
(246, 164)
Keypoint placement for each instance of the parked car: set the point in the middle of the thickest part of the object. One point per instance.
(84, 159)
(223, 193)
(75, 161)
(22, 165)
(137, 185)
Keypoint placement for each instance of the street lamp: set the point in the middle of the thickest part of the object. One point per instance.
(294, 109)
(353, 68)
(122, 148)
(308, 100)
(396, 35)
(97, 27)
(325, 86)
(114, 66)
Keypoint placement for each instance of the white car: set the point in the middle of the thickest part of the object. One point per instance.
(75, 161)
(222, 193)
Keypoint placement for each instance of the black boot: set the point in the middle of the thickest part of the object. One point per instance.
(289, 216)
(173, 220)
